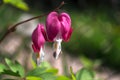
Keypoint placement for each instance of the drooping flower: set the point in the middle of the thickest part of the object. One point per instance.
(58, 27)
(38, 39)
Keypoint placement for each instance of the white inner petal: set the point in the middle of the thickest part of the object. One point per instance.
(41, 56)
(57, 47)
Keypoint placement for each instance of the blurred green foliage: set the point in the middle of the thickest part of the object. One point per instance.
(17, 3)
(85, 74)
(17, 72)
(96, 36)
(8, 16)
(96, 26)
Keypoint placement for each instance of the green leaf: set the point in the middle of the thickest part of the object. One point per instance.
(17, 3)
(33, 78)
(36, 72)
(48, 76)
(15, 67)
(20, 69)
(84, 74)
(52, 70)
(45, 65)
(2, 68)
(63, 78)
(42, 73)
(9, 72)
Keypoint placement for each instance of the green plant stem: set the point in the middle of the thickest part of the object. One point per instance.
(13, 28)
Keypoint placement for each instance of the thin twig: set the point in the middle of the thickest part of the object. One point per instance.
(13, 28)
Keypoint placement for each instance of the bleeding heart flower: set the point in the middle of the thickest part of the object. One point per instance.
(38, 39)
(58, 28)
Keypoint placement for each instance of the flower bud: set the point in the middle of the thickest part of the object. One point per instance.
(38, 39)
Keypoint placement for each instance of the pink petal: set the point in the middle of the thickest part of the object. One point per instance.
(68, 35)
(44, 33)
(34, 48)
(52, 25)
(66, 29)
(64, 17)
(38, 37)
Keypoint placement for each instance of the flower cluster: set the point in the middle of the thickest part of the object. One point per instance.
(58, 29)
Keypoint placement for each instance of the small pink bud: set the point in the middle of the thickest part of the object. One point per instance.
(58, 26)
(38, 38)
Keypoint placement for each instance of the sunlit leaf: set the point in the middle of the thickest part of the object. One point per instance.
(2, 68)
(63, 78)
(33, 78)
(48, 76)
(84, 74)
(45, 65)
(52, 70)
(17, 3)
(15, 67)
(42, 73)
